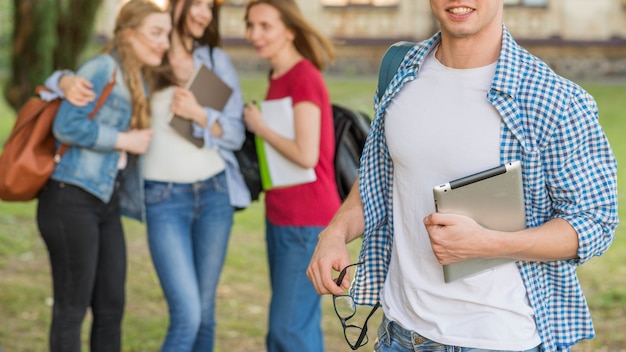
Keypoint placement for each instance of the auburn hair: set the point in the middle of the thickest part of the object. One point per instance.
(309, 42)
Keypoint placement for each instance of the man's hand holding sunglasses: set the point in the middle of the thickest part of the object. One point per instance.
(331, 254)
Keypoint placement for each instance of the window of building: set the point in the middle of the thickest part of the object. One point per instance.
(529, 3)
(369, 3)
(233, 2)
(332, 3)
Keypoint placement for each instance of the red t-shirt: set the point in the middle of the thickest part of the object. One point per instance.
(315, 203)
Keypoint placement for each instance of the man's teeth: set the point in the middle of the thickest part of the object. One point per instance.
(460, 10)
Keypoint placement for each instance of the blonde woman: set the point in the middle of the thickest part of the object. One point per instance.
(79, 209)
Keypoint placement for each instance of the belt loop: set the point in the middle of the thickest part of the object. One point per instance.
(384, 331)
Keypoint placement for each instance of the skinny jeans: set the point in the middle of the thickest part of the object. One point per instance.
(188, 231)
(87, 253)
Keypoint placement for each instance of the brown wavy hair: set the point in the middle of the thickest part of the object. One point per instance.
(131, 16)
(164, 75)
(211, 36)
(309, 42)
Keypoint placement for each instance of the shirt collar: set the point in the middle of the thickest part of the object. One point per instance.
(507, 70)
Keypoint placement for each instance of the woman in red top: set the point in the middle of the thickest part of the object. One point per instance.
(295, 215)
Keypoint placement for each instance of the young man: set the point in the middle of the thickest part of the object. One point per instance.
(463, 101)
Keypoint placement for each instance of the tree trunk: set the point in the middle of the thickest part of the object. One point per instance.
(47, 35)
(75, 27)
(34, 40)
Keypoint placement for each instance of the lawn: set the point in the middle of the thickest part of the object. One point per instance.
(25, 294)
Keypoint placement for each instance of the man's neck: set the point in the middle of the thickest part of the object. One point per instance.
(470, 52)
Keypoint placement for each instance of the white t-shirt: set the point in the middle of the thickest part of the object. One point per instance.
(441, 127)
(170, 157)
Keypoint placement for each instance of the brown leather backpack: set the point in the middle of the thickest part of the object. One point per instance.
(30, 153)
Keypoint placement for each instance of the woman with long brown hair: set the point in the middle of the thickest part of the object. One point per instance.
(191, 192)
(296, 214)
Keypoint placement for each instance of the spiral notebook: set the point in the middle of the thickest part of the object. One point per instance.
(494, 198)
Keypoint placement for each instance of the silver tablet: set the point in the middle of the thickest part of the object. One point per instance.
(494, 198)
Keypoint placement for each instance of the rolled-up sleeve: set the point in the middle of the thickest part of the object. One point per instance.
(230, 119)
(584, 184)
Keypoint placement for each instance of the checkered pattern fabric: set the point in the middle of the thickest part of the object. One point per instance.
(569, 172)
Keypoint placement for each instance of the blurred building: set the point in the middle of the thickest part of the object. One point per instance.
(578, 38)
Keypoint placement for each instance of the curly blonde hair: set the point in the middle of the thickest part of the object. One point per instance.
(131, 16)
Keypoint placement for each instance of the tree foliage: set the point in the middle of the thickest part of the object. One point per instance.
(47, 35)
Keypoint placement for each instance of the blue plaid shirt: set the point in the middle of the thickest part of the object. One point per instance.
(569, 172)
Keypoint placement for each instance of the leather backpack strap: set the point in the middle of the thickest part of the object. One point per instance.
(390, 63)
(101, 100)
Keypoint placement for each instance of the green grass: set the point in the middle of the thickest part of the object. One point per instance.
(244, 290)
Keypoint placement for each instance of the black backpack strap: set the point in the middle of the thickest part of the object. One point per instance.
(390, 64)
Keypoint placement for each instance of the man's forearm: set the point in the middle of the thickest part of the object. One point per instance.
(349, 219)
(554, 240)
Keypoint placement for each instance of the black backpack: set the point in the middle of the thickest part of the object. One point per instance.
(249, 166)
(351, 129)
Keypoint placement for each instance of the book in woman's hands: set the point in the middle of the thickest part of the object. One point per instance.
(275, 169)
(210, 91)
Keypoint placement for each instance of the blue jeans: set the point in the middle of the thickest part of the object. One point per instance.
(188, 231)
(295, 307)
(394, 338)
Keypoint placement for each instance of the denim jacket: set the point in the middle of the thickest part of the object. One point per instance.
(230, 118)
(91, 161)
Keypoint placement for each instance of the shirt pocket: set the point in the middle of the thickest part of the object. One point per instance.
(116, 112)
